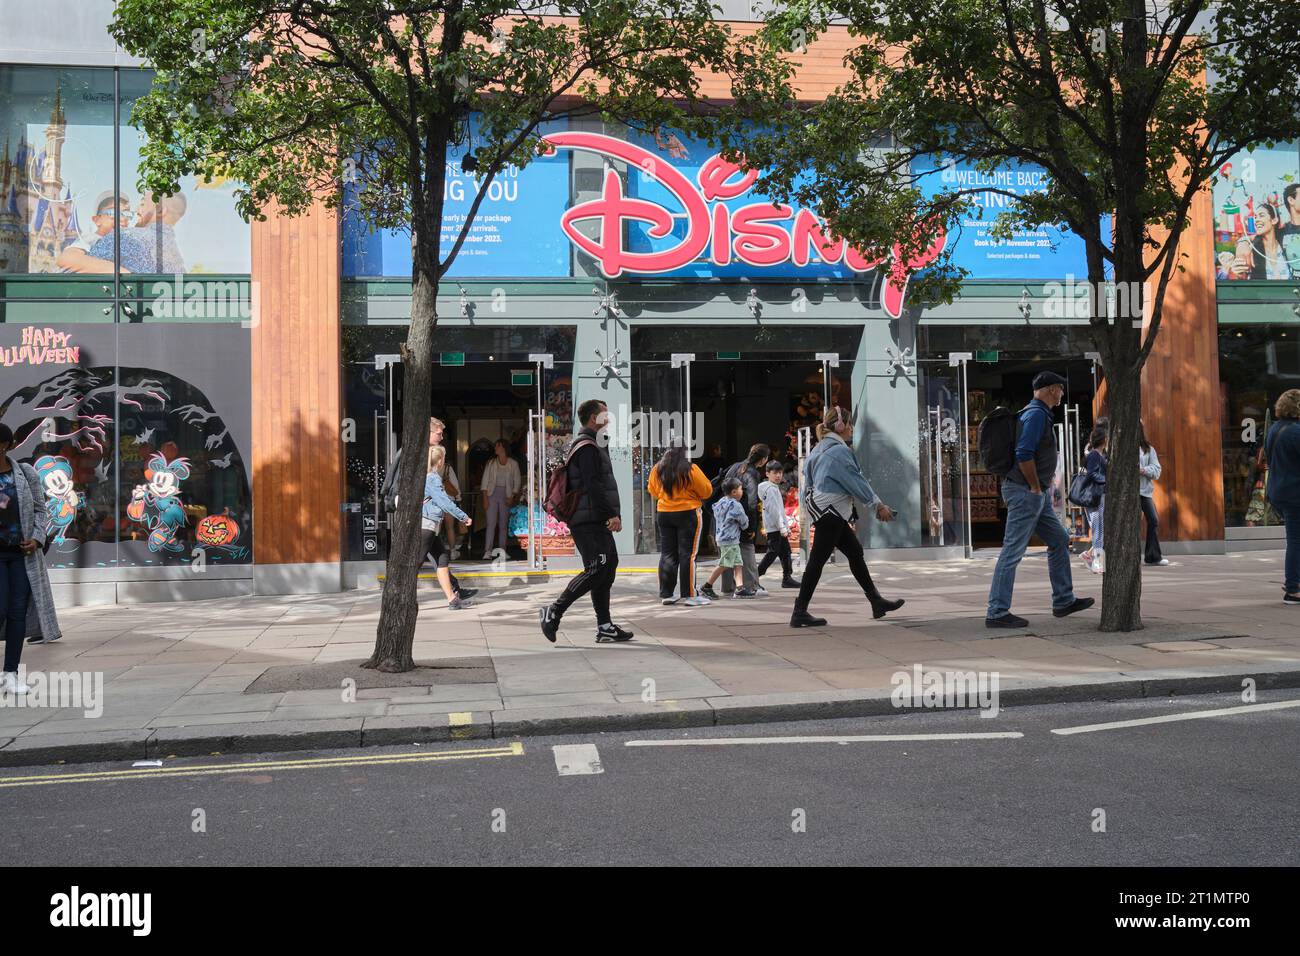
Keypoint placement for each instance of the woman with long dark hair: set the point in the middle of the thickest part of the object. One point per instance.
(679, 489)
(833, 481)
(1149, 466)
(1096, 464)
(1267, 257)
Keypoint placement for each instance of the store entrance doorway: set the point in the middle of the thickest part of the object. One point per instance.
(726, 389)
(479, 404)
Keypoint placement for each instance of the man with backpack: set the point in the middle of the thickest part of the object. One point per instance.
(584, 494)
(1022, 449)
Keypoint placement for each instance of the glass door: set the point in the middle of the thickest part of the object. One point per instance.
(944, 457)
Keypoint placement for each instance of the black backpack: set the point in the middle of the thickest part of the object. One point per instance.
(996, 441)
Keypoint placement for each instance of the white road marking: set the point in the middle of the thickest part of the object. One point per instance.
(1171, 718)
(859, 739)
(577, 759)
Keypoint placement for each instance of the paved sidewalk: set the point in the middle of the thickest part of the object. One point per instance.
(193, 677)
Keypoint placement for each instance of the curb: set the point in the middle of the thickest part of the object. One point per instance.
(349, 732)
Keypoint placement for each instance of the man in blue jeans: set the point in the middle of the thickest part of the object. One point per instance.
(1027, 491)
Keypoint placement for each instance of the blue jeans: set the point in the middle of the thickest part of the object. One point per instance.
(1097, 522)
(14, 592)
(1291, 567)
(1028, 513)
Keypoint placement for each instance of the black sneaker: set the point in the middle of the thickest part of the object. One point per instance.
(1080, 604)
(459, 603)
(1286, 599)
(612, 634)
(1006, 620)
(800, 618)
(744, 593)
(550, 622)
(790, 583)
(709, 593)
(467, 592)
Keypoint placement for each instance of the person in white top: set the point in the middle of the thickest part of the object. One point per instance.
(501, 482)
(775, 524)
(1149, 465)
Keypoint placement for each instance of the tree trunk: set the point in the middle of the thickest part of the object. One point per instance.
(1121, 605)
(399, 605)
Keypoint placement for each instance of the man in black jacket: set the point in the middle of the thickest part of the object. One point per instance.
(593, 524)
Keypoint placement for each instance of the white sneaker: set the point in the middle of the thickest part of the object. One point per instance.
(1162, 563)
(1098, 565)
(761, 591)
(698, 600)
(12, 685)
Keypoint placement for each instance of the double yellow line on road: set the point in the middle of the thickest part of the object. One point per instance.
(304, 763)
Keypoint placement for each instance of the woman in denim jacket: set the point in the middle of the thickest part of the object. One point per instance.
(437, 503)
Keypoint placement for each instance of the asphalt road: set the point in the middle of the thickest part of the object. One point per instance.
(1215, 791)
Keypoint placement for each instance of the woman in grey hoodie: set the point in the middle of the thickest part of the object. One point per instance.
(833, 480)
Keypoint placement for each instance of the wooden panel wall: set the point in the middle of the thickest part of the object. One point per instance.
(297, 393)
(1180, 388)
(818, 70)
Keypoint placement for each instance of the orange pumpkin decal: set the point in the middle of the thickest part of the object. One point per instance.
(217, 530)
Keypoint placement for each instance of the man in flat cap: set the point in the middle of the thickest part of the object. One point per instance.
(1027, 491)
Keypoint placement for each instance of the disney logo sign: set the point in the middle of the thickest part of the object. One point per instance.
(760, 234)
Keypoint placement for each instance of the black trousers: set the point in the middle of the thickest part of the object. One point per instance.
(679, 539)
(595, 543)
(778, 547)
(1152, 552)
(833, 532)
(15, 590)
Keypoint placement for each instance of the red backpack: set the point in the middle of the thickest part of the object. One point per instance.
(561, 501)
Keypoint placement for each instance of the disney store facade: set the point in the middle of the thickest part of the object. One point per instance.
(211, 404)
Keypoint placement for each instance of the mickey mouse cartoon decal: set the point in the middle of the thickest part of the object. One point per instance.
(61, 499)
(157, 504)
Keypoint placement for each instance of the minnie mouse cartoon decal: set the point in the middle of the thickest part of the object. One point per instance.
(157, 504)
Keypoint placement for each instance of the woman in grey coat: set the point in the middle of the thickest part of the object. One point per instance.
(26, 600)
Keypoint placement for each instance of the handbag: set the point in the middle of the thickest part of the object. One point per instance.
(1082, 491)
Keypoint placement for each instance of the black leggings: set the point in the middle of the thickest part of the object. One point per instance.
(1152, 554)
(831, 532)
(679, 538)
(432, 545)
(778, 548)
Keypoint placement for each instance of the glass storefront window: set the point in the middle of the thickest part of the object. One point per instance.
(56, 177)
(1257, 363)
(194, 232)
(123, 331)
